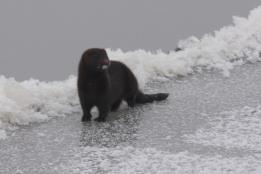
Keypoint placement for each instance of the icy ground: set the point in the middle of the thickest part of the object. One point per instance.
(209, 124)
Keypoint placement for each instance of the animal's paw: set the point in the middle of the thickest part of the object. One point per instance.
(85, 118)
(100, 119)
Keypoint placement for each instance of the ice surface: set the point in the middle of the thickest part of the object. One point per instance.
(131, 160)
(2, 134)
(234, 129)
(22, 103)
(152, 138)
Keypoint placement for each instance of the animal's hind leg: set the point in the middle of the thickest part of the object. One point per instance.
(87, 114)
(115, 105)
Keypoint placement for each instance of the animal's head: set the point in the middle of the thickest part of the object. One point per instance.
(95, 59)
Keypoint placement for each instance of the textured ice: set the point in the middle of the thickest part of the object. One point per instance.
(147, 137)
(22, 103)
(2, 134)
(131, 160)
(234, 129)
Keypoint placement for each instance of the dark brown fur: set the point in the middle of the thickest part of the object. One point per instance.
(106, 84)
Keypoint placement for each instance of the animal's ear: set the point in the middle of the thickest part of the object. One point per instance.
(85, 61)
(107, 57)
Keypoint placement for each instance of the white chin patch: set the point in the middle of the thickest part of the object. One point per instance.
(104, 67)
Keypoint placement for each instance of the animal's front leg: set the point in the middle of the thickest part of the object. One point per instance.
(86, 107)
(103, 112)
(86, 114)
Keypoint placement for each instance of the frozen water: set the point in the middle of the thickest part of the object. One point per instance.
(234, 129)
(165, 137)
(134, 160)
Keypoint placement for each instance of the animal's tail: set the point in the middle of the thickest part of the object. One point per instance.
(148, 98)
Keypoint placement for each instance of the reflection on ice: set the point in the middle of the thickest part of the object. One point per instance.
(113, 132)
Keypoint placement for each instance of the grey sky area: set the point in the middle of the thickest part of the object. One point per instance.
(45, 39)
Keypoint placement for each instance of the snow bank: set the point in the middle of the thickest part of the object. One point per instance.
(32, 101)
(230, 46)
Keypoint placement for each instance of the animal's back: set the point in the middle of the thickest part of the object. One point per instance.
(123, 81)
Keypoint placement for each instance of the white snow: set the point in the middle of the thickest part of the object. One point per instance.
(230, 46)
(132, 160)
(22, 103)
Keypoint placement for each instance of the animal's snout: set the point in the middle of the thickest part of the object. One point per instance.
(105, 63)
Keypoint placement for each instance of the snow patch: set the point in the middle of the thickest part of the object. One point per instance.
(233, 129)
